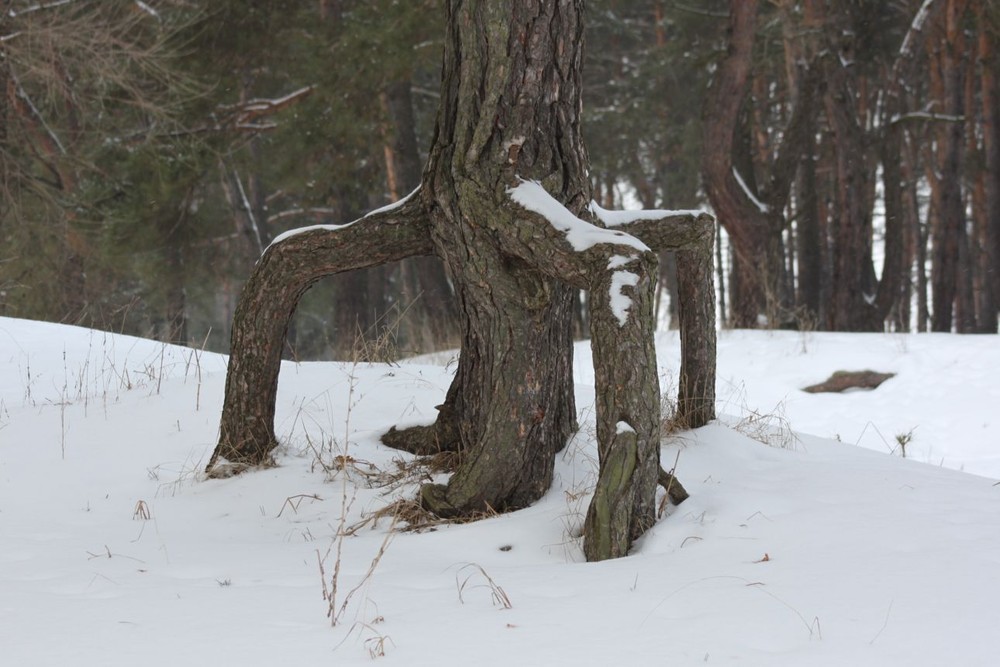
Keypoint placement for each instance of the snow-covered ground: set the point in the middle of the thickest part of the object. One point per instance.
(801, 551)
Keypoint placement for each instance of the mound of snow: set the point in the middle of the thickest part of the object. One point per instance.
(804, 551)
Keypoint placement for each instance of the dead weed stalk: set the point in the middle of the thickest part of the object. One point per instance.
(497, 593)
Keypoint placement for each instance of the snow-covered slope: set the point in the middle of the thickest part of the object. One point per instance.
(113, 550)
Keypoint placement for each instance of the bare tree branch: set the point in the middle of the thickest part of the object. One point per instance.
(248, 209)
(14, 13)
(39, 118)
(292, 263)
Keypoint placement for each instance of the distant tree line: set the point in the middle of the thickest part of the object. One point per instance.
(848, 147)
(149, 151)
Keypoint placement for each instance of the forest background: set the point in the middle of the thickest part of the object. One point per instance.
(149, 152)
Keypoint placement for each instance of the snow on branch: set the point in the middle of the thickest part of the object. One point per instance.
(916, 26)
(761, 206)
(42, 6)
(581, 235)
(14, 13)
(625, 218)
(620, 247)
(906, 58)
(241, 116)
(284, 236)
(394, 205)
(22, 94)
(149, 10)
(384, 209)
(616, 250)
(660, 229)
(926, 115)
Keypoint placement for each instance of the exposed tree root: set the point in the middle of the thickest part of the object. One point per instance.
(675, 491)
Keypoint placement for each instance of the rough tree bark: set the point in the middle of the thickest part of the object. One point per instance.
(505, 202)
(288, 267)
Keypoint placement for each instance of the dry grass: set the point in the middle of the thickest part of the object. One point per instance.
(769, 428)
(417, 470)
(409, 515)
(141, 512)
(376, 644)
(471, 570)
(294, 502)
(333, 456)
(671, 420)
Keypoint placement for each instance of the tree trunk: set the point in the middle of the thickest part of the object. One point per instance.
(282, 275)
(696, 306)
(918, 231)
(972, 300)
(513, 384)
(991, 176)
(628, 414)
(507, 136)
(753, 216)
(852, 309)
(807, 237)
(748, 231)
(892, 297)
(947, 237)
